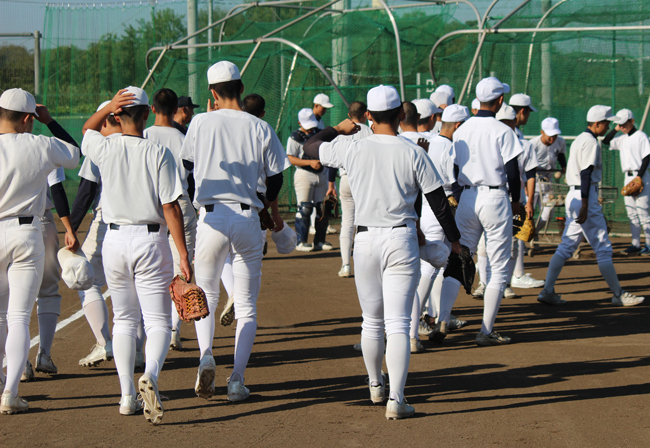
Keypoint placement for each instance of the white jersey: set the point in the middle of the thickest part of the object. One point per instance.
(437, 127)
(139, 176)
(633, 149)
(520, 135)
(441, 154)
(170, 138)
(55, 177)
(386, 174)
(482, 147)
(547, 155)
(364, 131)
(90, 172)
(585, 152)
(527, 160)
(231, 150)
(26, 161)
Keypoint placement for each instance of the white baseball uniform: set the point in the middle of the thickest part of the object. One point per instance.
(547, 156)
(26, 160)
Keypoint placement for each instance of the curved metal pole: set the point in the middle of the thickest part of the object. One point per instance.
(150, 72)
(399, 48)
(645, 114)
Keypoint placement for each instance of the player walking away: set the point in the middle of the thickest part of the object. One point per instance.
(440, 99)
(163, 132)
(321, 104)
(634, 149)
(92, 301)
(550, 148)
(449, 90)
(486, 152)
(584, 214)
(140, 191)
(25, 163)
(356, 113)
(386, 174)
(184, 114)
(310, 182)
(522, 105)
(428, 117)
(229, 150)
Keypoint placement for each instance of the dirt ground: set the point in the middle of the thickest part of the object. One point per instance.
(574, 376)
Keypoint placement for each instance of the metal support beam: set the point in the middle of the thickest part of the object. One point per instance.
(398, 44)
(37, 65)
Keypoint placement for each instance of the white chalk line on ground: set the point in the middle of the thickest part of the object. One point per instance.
(65, 322)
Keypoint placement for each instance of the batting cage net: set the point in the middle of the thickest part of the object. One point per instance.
(595, 53)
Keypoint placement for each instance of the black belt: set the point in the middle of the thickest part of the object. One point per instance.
(578, 187)
(467, 187)
(365, 229)
(22, 220)
(631, 173)
(150, 227)
(210, 207)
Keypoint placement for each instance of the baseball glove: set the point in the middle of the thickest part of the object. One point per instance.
(633, 188)
(462, 268)
(266, 222)
(330, 207)
(189, 299)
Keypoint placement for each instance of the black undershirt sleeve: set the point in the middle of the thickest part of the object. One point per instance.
(418, 205)
(514, 180)
(273, 186)
(456, 189)
(609, 137)
(60, 200)
(585, 182)
(312, 146)
(561, 158)
(189, 166)
(331, 174)
(438, 202)
(190, 186)
(530, 174)
(57, 130)
(644, 166)
(82, 202)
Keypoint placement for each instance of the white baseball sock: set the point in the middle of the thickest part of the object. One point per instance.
(482, 262)
(491, 302)
(17, 350)
(46, 330)
(398, 356)
(176, 320)
(346, 249)
(415, 315)
(436, 293)
(140, 336)
(244, 339)
(3, 342)
(608, 271)
(124, 355)
(373, 355)
(635, 230)
(448, 295)
(205, 333)
(156, 351)
(519, 262)
(97, 316)
(554, 268)
(544, 217)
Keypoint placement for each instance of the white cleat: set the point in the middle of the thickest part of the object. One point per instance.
(44, 364)
(175, 342)
(395, 411)
(508, 293)
(331, 230)
(323, 246)
(345, 271)
(479, 291)
(98, 354)
(12, 405)
(526, 281)
(237, 391)
(416, 346)
(204, 387)
(626, 299)
(228, 313)
(28, 373)
(312, 230)
(129, 405)
(304, 247)
(153, 410)
(357, 346)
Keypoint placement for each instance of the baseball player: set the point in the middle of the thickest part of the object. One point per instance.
(321, 104)
(440, 99)
(584, 214)
(311, 184)
(521, 103)
(428, 117)
(386, 174)
(229, 150)
(356, 113)
(140, 191)
(550, 148)
(165, 134)
(184, 113)
(26, 161)
(476, 106)
(634, 149)
(486, 153)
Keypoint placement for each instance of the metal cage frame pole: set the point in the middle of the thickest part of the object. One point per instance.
(398, 44)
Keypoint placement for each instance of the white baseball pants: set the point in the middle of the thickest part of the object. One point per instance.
(637, 211)
(347, 219)
(189, 225)
(21, 272)
(48, 302)
(310, 187)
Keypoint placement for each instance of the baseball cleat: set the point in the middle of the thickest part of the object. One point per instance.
(626, 299)
(479, 291)
(345, 271)
(153, 410)
(395, 410)
(416, 346)
(632, 250)
(129, 405)
(312, 230)
(204, 387)
(97, 354)
(237, 391)
(175, 342)
(44, 364)
(550, 298)
(323, 246)
(439, 332)
(28, 373)
(304, 247)
(331, 230)
(494, 338)
(508, 293)
(12, 405)
(455, 323)
(526, 281)
(228, 313)
(378, 392)
(357, 346)
(645, 251)
(424, 329)
(139, 360)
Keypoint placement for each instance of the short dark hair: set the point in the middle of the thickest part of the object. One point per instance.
(357, 110)
(11, 115)
(423, 121)
(446, 125)
(133, 114)
(254, 104)
(491, 103)
(386, 116)
(112, 121)
(230, 90)
(518, 108)
(165, 101)
(410, 114)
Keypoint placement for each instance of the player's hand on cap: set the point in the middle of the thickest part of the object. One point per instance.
(582, 216)
(71, 242)
(186, 269)
(119, 101)
(315, 164)
(43, 115)
(347, 127)
(424, 144)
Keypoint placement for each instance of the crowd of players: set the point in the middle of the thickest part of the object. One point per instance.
(421, 183)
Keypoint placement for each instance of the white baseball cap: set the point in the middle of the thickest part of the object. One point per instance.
(476, 104)
(223, 71)
(307, 118)
(383, 98)
(521, 99)
(323, 100)
(506, 113)
(447, 89)
(76, 270)
(18, 100)
(490, 88)
(140, 99)
(551, 126)
(426, 108)
(103, 105)
(440, 97)
(455, 113)
(285, 240)
(623, 116)
(600, 113)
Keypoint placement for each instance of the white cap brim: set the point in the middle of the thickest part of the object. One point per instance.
(310, 124)
(552, 132)
(327, 105)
